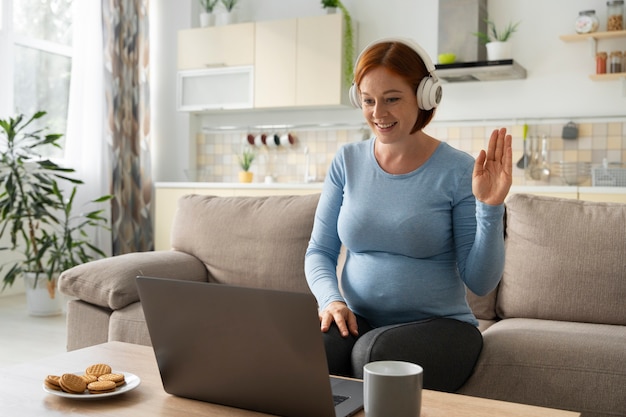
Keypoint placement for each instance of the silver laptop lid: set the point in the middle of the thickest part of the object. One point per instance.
(260, 350)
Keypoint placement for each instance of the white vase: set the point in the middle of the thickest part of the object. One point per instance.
(225, 18)
(207, 19)
(498, 50)
(42, 298)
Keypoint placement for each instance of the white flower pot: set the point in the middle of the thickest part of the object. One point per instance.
(499, 50)
(41, 300)
(207, 19)
(225, 18)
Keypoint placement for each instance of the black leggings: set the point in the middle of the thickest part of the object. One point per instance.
(446, 349)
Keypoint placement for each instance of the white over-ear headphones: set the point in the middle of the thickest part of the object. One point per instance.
(429, 89)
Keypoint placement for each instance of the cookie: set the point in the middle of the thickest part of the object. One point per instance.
(98, 369)
(117, 378)
(101, 387)
(73, 384)
(89, 378)
(52, 382)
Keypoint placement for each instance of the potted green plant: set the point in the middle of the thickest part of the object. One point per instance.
(246, 157)
(227, 16)
(229, 5)
(348, 38)
(207, 17)
(35, 215)
(497, 42)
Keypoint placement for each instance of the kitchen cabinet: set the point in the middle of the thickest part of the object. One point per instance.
(299, 62)
(215, 68)
(275, 63)
(593, 39)
(217, 46)
(606, 194)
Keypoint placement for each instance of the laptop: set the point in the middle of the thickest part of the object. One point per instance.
(255, 349)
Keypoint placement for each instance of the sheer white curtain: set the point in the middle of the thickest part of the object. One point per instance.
(85, 149)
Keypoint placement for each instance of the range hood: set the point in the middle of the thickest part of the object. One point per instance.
(458, 20)
(505, 69)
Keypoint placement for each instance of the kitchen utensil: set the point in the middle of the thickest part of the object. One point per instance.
(604, 179)
(573, 173)
(545, 167)
(570, 131)
(523, 162)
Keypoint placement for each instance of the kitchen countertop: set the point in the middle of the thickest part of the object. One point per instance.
(240, 185)
(318, 185)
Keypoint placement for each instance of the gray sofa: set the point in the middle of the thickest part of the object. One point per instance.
(554, 330)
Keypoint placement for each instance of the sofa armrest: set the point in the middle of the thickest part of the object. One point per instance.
(110, 282)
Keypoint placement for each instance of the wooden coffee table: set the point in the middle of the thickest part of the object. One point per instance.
(22, 393)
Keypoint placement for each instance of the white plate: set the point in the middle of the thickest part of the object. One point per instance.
(132, 382)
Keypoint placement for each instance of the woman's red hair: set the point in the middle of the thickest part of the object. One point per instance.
(402, 60)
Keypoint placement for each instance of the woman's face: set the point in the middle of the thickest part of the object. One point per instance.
(389, 104)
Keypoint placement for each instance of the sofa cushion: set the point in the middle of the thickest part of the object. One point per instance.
(248, 241)
(110, 282)
(571, 366)
(565, 260)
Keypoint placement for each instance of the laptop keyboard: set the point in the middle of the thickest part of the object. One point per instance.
(338, 399)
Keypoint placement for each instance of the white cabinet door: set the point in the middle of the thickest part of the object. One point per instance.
(218, 46)
(299, 62)
(225, 88)
(319, 68)
(275, 64)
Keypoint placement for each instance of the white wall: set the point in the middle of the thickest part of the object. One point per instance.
(557, 86)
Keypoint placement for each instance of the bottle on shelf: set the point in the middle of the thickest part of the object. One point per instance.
(601, 58)
(615, 65)
(586, 22)
(615, 15)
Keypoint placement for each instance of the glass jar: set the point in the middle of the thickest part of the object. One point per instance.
(586, 22)
(615, 15)
(601, 62)
(615, 62)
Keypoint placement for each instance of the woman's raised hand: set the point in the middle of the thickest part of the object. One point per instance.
(493, 169)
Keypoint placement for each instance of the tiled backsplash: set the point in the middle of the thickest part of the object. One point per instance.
(216, 153)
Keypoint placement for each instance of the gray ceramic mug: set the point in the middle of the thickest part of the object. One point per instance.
(392, 388)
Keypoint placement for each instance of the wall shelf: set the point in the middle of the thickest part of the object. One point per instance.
(580, 37)
(608, 77)
(593, 39)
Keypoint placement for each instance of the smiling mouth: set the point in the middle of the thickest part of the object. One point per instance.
(385, 125)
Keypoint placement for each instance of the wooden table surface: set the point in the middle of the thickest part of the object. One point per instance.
(22, 392)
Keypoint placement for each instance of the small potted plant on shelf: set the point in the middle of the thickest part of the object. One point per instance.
(227, 16)
(348, 37)
(207, 18)
(497, 42)
(36, 217)
(246, 157)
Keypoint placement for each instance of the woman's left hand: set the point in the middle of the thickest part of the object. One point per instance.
(493, 169)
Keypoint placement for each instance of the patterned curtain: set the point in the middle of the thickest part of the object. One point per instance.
(127, 122)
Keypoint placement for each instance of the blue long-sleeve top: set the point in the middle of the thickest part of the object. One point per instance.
(412, 240)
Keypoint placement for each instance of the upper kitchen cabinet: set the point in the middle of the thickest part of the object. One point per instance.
(218, 46)
(275, 63)
(215, 68)
(299, 62)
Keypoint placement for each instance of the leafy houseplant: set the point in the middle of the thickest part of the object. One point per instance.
(493, 35)
(229, 5)
(496, 42)
(208, 5)
(246, 157)
(348, 38)
(34, 212)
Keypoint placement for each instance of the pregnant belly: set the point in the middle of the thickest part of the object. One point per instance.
(386, 287)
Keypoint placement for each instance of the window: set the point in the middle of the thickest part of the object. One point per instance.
(39, 40)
